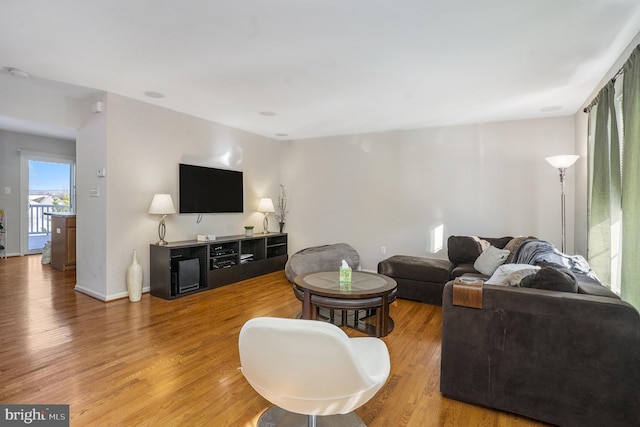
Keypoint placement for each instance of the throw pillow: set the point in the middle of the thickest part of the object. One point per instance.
(490, 259)
(552, 279)
(515, 278)
(505, 270)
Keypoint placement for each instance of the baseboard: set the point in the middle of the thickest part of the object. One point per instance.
(10, 254)
(90, 292)
(106, 298)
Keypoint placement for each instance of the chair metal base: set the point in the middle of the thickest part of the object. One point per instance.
(278, 417)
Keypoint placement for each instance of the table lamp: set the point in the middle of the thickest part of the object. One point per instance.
(266, 207)
(162, 204)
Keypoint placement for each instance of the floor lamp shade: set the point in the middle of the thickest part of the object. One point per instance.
(162, 204)
(562, 162)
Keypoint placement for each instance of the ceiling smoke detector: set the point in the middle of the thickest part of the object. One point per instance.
(15, 72)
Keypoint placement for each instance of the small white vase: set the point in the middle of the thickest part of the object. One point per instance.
(134, 279)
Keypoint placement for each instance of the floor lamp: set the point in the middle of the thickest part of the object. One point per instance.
(561, 163)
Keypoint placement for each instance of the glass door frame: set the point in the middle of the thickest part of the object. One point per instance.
(25, 157)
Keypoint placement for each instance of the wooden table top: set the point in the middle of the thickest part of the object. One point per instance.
(363, 284)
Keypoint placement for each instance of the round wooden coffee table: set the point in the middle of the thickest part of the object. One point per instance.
(369, 291)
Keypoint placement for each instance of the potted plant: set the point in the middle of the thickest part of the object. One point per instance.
(248, 230)
(282, 208)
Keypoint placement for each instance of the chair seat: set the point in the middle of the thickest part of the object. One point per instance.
(311, 367)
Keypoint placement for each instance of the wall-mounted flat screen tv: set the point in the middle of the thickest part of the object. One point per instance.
(210, 190)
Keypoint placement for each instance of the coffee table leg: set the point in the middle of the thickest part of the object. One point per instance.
(383, 319)
(306, 305)
(380, 332)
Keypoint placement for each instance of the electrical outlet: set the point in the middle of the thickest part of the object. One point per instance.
(383, 250)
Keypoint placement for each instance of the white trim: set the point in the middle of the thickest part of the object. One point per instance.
(90, 292)
(106, 298)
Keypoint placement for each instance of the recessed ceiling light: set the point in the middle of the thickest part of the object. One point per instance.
(16, 72)
(282, 135)
(267, 113)
(152, 94)
(551, 108)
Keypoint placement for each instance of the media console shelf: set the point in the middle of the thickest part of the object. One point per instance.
(183, 268)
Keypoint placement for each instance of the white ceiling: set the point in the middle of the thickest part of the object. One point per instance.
(327, 67)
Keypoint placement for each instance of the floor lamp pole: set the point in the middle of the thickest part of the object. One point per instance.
(561, 163)
(562, 208)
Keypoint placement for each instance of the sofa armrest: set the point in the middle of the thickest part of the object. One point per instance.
(563, 358)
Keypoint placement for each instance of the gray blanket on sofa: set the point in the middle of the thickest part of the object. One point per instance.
(534, 251)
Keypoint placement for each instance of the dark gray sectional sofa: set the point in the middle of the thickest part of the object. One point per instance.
(423, 279)
(569, 358)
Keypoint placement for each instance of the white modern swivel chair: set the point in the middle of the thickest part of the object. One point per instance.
(312, 368)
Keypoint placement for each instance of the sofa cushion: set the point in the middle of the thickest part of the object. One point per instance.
(498, 242)
(464, 269)
(466, 249)
(490, 259)
(589, 286)
(416, 268)
(552, 279)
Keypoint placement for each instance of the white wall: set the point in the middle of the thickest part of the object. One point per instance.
(391, 189)
(141, 145)
(91, 212)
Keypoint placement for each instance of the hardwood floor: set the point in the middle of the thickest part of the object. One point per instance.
(175, 363)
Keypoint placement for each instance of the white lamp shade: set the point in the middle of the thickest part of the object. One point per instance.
(563, 161)
(162, 204)
(266, 205)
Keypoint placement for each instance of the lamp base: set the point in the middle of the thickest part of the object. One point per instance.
(162, 228)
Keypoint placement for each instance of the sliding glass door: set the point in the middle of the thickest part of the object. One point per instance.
(49, 186)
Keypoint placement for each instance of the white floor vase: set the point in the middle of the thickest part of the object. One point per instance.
(134, 279)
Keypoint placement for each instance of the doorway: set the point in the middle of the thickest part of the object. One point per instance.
(49, 186)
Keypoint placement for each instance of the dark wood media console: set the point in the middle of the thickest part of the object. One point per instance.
(229, 259)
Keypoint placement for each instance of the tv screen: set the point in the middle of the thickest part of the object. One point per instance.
(210, 190)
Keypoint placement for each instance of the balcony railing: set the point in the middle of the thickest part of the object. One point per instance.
(39, 222)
